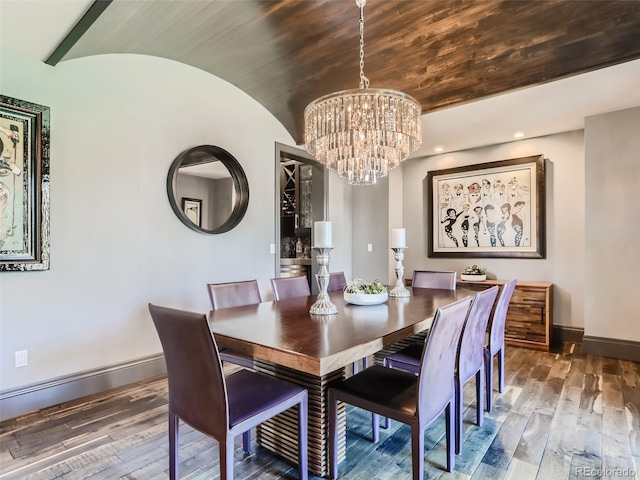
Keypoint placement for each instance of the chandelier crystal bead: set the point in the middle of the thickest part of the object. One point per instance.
(365, 132)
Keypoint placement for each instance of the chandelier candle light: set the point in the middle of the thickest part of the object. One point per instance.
(322, 245)
(399, 245)
(363, 133)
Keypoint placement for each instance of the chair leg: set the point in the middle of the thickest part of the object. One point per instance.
(488, 368)
(479, 397)
(173, 446)
(457, 395)
(501, 370)
(451, 457)
(356, 367)
(333, 436)
(303, 455)
(417, 452)
(387, 421)
(365, 362)
(226, 459)
(246, 441)
(375, 427)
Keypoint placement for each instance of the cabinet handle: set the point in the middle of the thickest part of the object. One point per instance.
(297, 220)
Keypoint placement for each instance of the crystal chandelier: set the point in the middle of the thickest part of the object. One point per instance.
(363, 133)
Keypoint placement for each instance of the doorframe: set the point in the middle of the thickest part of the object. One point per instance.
(287, 152)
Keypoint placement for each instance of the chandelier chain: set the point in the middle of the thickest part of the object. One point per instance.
(364, 81)
(362, 133)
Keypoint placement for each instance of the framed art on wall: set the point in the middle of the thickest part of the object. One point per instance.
(192, 208)
(24, 185)
(495, 209)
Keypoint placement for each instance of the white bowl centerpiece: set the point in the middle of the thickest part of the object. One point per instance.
(361, 292)
(474, 274)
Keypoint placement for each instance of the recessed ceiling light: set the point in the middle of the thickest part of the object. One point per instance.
(518, 135)
(438, 149)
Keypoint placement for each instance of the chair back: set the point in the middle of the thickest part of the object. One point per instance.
(496, 334)
(234, 294)
(337, 281)
(432, 279)
(290, 287)
(471, 351)
(197, 390)
(437, 367)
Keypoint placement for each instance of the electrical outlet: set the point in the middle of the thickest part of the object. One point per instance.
(22, 358)
(272, 248)
(369, 247)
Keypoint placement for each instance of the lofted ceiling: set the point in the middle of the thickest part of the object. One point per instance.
(541, 59)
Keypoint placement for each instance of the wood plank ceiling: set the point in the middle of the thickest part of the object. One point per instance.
(286, 53)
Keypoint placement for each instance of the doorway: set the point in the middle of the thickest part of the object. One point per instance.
(300, 201)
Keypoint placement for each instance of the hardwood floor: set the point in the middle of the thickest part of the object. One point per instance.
(563, 415)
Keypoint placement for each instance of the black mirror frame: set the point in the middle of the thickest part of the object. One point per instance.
(240, 184)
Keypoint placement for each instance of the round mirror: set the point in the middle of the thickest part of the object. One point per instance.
(207, 189)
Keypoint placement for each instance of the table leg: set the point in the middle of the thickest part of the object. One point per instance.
(280, 433)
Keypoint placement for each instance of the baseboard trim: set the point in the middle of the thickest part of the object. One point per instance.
(563, 334)
(611, 347)
(23, 400)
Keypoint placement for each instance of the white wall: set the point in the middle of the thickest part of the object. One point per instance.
(613, 225)
(372, 265)
(117, 123)
(396, 220)
(339, 196)
(565, 261)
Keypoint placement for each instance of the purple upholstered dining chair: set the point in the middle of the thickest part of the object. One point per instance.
(337, 281)
(470, 362)
(434, 279)
(469, 359)
(414, 400)
(234, 294)
(220, 407)
(439, 280)
(290, 287)
(496, 341)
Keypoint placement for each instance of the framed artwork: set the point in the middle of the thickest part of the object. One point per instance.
(495, 209)
(24, 185)
(192, 208)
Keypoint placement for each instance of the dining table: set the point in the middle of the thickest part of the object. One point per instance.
(313, 351)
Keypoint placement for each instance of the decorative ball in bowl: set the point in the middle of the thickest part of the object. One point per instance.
(474, 274)
(361, 292)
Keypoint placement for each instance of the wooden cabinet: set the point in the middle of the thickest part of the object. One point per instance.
(530, 315)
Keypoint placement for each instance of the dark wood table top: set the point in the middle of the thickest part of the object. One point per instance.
(284, 332)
